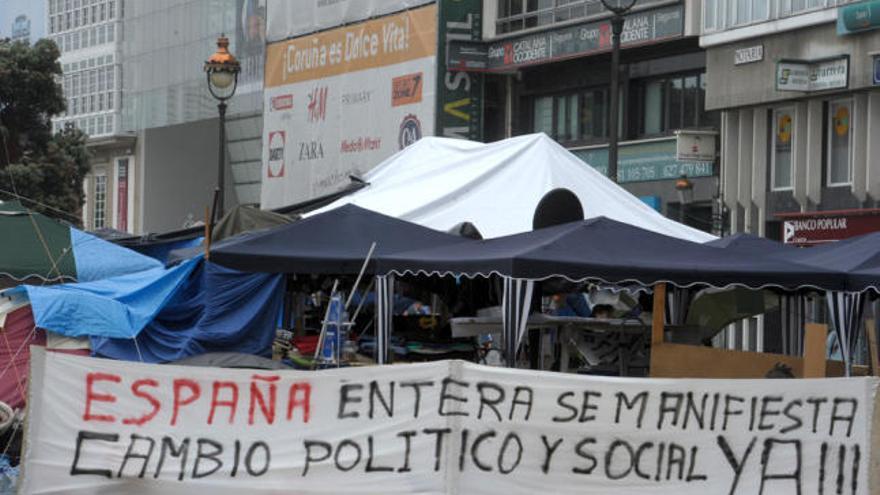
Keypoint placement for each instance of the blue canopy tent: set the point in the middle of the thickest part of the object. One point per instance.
(856, 260)
(602, 250)
(334, 242)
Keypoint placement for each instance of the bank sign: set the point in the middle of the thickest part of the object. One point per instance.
(567, 42)
(815, 75)
(808, 229)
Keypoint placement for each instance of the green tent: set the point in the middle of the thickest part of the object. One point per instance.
(34, 247)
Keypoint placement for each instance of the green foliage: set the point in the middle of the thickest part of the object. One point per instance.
(38, 165)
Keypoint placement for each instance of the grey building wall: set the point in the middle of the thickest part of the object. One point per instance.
(732, 85)
(178, 181)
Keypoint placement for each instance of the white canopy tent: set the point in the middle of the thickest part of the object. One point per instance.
(441, 182)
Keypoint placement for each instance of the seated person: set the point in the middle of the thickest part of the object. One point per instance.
(603, 312)
(572, 304)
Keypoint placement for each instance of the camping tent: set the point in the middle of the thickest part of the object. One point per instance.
(441, 182)
(333, 242)
(37, 249)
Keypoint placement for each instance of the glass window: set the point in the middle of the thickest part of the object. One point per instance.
(676, 103)
(710, 7)
(566, 118)
(783, 140)
(543, 116)
(100, 201)
(691, 102)
(594, 115)
(840, 143)
(654, 97)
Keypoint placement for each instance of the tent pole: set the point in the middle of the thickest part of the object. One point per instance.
(871, 339)
(207, 233)
(658, 314)
(815, 338)
(360, 275)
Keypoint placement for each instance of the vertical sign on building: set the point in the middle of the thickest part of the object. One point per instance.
(459, 94)
(122, 194)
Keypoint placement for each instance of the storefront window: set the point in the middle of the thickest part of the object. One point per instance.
(594, 115)
(543, 115)
(783, 139)
(840, 143)
(654, 98)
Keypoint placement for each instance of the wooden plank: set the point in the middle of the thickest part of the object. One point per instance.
(815, 345)
(659, 314)
(690, 361)
(871, 335)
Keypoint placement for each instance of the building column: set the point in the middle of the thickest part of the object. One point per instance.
(760, 146)
(872, 158)
(744, 167)
(803, 152)
(729, 161)
(814, 157)
(860, 146)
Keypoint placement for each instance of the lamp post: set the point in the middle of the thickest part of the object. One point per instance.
(618, 8)
(222, 70)
(685, 189)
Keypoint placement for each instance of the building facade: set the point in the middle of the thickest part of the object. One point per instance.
(795, 82)
(548, 70)
(134, 83)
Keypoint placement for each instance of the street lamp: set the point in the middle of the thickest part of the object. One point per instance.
(685, 189)
(222, 70)
(618, 8)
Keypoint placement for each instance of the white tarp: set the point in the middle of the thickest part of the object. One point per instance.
(441, 182)
(102, 426)
(287, 18)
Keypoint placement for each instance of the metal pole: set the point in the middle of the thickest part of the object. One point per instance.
(221, 162)
(616, 30)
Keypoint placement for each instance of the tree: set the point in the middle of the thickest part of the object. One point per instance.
(46, 170)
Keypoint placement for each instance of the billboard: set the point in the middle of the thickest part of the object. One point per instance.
(290, 19)
(23, 20)
(340, 101)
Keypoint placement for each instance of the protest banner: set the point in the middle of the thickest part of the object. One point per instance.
(101, 426)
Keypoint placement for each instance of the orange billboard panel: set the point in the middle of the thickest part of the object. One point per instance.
(379, 42)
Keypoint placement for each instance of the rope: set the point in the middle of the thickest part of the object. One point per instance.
(18, 380)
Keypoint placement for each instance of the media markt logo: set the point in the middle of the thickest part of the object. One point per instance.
(410, 131)
(276, 154)
(317, 104)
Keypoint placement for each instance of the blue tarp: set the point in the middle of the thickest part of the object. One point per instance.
(97, 259)
(114, 307)
(217, 309)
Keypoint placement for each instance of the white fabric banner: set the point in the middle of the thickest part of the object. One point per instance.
(102, 426)
(287, 19)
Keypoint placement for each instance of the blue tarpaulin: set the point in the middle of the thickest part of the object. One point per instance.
(97, 259)
(114, 307)
(217, 309)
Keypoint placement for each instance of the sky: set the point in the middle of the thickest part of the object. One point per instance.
(34, 12)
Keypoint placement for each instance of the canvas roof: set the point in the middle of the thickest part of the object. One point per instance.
(441, 182)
